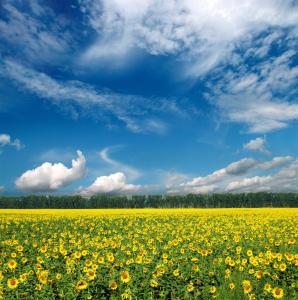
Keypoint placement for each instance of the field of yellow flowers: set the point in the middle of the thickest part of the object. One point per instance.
(149, 254)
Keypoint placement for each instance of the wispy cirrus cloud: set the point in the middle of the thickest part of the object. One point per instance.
(249, 46)
(52, 155)
(231, 39)
(129, 171)
(138, 113)
(202, 33)
(34, 31)
(261, 96)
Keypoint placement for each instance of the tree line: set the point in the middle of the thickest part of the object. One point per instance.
(261, 199)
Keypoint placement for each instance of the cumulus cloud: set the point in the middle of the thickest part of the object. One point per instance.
(50, 177)
(241, 167)
(258, 144)
(276, 162)
(253, 183)
(174, 179)
(5, 140)
(235, 168)
(112, 184)
(130, 172)
(234, 177)
(285, 180)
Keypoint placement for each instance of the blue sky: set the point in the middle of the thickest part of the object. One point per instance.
(147, 96)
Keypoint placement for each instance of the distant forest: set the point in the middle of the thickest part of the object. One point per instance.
(261, 199)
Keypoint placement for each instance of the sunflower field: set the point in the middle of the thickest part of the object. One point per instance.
(149, 254)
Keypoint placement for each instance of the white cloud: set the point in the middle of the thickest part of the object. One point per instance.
(174, 179)
(50, 177)
(2, 189)
(234, 177)
(218, 37)
(276, 162)
(134, 111)
(130, 172)
(258, 144)
(24, 28)
(241, 167)
(286, 180)
(253, 183)
(5, 140)
(235, 168)
(202, 33)
(261, 96)
(112, 184)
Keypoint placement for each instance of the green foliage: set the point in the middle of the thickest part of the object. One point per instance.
(261, 199)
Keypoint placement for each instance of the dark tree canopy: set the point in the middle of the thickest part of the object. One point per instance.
(261, 199)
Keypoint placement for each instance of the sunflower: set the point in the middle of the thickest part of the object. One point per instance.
(43, 277)
(12, 283)
(212, 290)
(126, 296)
(195, 268)
(23, 277)
(24, 260)
(176, 272)
(113, 285)
(277, 293)
(231, 263)
(259, 274)
(20, 248)
(231, 286)
(43, 249)
(100, 260)
(81, 285)
(190, 287)
(91, 275)
(125, 276)
(88, 262)
(282, 267)
(267, 287)
(12, 264)
(246, 286)
(153, 283)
